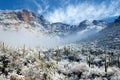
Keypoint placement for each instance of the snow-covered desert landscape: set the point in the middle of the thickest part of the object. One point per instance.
(76, 41)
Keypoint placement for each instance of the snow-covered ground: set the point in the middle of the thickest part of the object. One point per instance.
(70, 62)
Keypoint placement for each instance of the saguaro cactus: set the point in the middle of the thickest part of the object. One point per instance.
(118, 61)
(89, 60)
(3, 47)
(58, 54)
(23, 51)
(106, 65)
(39, 55)
(74, 56)
(110, 60)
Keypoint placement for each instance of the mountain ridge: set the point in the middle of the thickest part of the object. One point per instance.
(27, 21)
(28, 17)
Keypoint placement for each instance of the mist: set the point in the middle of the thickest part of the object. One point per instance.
(20, 38)
(86, 33)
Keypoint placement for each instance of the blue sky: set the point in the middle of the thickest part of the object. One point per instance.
(30, 4)
(68, 11)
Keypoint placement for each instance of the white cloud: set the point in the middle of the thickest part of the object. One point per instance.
(73, 14)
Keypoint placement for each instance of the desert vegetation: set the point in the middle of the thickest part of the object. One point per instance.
(70, 62)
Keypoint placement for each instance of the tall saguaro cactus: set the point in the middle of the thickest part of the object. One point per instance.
(58, 54)
(23, 51)
(118, 61)
(39, 55)
(3, 47)
(89, 60)
(106, 65)
(110, 60)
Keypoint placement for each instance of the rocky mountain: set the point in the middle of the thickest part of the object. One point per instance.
(109, 37)
(83, 25)
(90, 24)
(18, 19)
(96, 30)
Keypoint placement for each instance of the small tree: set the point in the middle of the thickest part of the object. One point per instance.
(45, 75)
(5, 61)
(66, 51)
(82, 51)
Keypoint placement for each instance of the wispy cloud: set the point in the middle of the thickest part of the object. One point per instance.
(41, 8)
(73, 14)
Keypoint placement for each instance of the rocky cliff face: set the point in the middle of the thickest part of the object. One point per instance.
(28, 16)
(18, 19)
(25, 15)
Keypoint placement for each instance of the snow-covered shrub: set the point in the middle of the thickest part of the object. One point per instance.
(15, 76)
